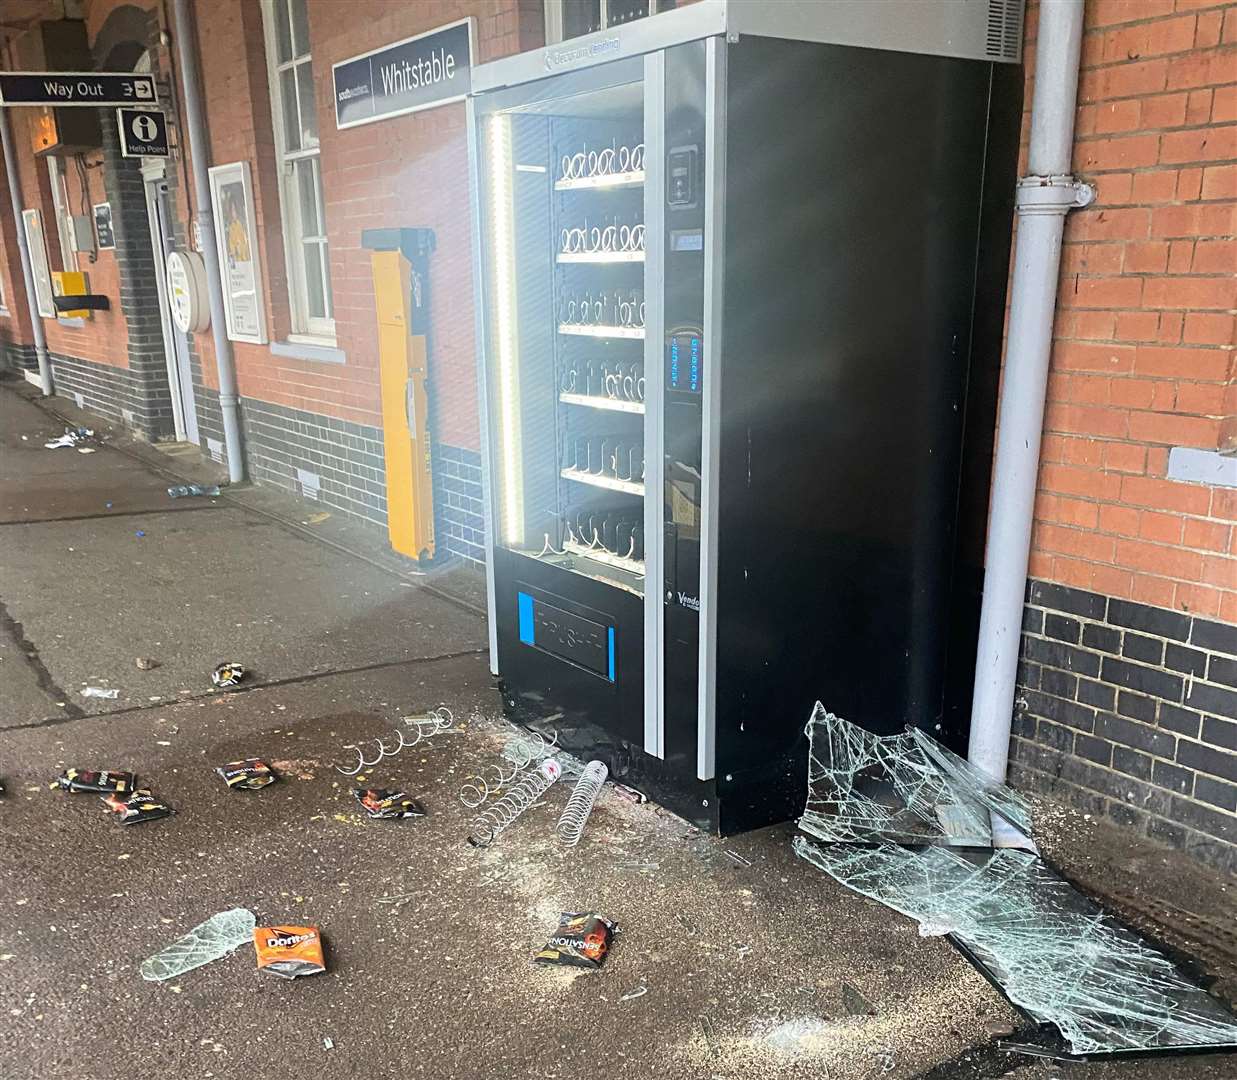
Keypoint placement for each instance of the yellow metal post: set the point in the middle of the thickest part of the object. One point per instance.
(399, 293)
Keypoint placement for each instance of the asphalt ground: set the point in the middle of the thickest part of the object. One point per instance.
(734, 959)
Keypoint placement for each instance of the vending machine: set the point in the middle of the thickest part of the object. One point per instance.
(740, 293)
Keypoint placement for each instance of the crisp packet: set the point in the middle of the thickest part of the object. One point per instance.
(289, 951)
(136, 807)
(582, 940)
(388, 803)
(227, 675)
(118, 783)
(248, 775)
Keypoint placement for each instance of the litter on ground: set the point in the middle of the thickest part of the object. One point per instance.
(209, 940)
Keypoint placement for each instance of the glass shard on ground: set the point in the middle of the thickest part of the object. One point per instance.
(901, 789)
(1056, 955)
(207, 941)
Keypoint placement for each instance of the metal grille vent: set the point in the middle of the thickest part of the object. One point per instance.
(1003, 40)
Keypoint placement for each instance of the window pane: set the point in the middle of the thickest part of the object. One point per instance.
(621, 11)
(283, 36)
(314, 295)
(326, 280)
(309, 112)
(318, 192)
(300, 27)
(291, 121)
(307, 199)
(580, 17)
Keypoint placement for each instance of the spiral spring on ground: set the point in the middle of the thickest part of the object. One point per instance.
(426, 726)
(575, 815)
(520, 753)
(494, 819)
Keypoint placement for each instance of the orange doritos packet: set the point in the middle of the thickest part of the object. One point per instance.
(289, 951)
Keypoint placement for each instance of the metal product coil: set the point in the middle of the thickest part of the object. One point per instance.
(520, 753)
(575, 815)
(493, 820)
(425, 726)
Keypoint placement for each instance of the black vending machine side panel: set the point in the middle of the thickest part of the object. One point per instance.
(853, 205)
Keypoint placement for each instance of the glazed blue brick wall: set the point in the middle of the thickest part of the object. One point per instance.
(458, 479)
(1130, 711)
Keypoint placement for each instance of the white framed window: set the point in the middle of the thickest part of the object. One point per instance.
(64, 216)
(565, 19)
(296, 143)
(4, 307)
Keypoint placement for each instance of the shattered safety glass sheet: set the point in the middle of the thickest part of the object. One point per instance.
(207, 941)
(903, 789)
(1054, 953)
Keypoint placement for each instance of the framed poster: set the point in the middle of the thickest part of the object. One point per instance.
(104, 232)
(236, 240)
(32, 221)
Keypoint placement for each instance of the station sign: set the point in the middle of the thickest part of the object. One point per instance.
(422, 72)
(69, 88)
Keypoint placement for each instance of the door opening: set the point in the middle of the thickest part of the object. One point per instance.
(175, 345)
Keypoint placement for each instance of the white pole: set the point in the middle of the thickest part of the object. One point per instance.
(199, 147)
(23, 248)
(1044, 197)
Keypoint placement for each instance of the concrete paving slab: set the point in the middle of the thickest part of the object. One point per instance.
(25, 693)
(198, 589)
(429, 940)
(103, 489)
(41, 484)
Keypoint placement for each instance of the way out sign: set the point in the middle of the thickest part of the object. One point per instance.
(143, 132)
(76, 88)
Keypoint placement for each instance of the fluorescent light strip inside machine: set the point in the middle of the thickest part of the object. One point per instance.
(741, 290)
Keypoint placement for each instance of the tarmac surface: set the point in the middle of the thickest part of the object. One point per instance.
(734, 960)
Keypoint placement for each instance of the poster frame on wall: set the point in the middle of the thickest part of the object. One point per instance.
(236, 234)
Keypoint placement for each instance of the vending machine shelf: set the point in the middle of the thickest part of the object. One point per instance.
(594, 401)
(630, 487)
(636, 333)
(594, 183)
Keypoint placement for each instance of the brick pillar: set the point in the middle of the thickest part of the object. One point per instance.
(147, 389)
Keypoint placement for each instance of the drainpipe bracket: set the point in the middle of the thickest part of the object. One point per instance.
(1052, 194)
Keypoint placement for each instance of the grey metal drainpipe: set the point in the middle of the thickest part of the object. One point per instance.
(187, 54)
(27, 267)
(1043, 199)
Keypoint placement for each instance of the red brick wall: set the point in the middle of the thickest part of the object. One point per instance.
(1144, 352)
(236, 97)
(410, 170)
(15, 327)
(1143, 358)
(104, 336)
